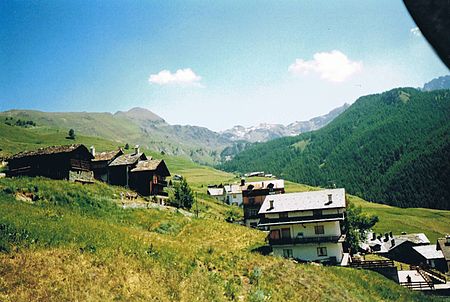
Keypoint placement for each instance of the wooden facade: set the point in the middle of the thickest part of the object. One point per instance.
(119, 169)
(57, 162)
(148, 178)
(101, 161)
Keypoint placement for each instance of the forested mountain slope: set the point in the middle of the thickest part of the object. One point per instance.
(392, 147)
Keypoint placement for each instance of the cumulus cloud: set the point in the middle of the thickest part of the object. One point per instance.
(182, 77)
(332, 66)
(416, 31)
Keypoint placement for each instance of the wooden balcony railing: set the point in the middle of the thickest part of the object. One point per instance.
(301, 219)
(301, 240)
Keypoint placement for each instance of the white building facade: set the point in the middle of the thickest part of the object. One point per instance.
(306, 226)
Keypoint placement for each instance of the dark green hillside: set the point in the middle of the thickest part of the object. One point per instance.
(392, 147)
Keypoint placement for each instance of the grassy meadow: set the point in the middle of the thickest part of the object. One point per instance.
(72, 242)
(62, 241)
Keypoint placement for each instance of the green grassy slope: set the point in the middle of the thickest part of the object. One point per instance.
(73, 243)
(137, 126)
(391, 147)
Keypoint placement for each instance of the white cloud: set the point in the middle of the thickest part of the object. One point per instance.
(416, 32)
(182, 77)
(333, 66)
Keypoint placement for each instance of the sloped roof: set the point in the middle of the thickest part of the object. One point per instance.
(386, 246)
(152, 165)
(264, 184)
(107, 155)
(127, 159)
(215, 191)
(445, 248)
(232, 189)
(304, 201)
(50, 150)
(429, 251)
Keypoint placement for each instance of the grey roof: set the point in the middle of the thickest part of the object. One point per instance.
(215, 191)
(50, 150)
(101, 156)
(152, 165)
(304, 201)
(128, 159)
(232, 189)
(429, 251)
(386, 246)
(147, 165)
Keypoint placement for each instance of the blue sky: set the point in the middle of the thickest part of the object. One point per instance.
(214, 64)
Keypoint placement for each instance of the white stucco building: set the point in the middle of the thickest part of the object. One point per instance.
(306, 226)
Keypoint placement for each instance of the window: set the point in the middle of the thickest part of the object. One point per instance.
(287, 253)
(318, 229)
(283, 215)
(321, 251)
(274, 234)
(285, 233)
(300, 234)
(234, 195)
(251, 200)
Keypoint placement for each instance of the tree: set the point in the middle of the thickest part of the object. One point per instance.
(71, 134)
(357, 224)
(183, 196)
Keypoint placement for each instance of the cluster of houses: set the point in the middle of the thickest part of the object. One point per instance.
(309, 226)
(76, 162)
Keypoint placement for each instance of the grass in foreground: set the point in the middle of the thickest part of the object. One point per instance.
(74, 243)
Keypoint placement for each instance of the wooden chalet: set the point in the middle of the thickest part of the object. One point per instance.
(71, 162)
(119, 169)
(149, 177)
(100, 162)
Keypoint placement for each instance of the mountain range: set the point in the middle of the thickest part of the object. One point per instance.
(141, 126)
(265, 132)
(392, 147)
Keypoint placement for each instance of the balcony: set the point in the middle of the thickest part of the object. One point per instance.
(302, 219)
(303, 240)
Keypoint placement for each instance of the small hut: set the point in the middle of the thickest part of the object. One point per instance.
(149, 177)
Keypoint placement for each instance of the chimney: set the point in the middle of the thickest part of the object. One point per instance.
(447, 239)
(386, 237)
(392, 242)
(390, 234)
(93, 150)
(374, 236)
(136, 149)
(330, 198)
(270, 204)
(242, 182)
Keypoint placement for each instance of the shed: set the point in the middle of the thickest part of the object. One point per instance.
(148, 177)
(71, 162)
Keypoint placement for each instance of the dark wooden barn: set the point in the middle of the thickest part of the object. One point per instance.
(119, 169)
(101, 161)
(149, 177)
(71, 162)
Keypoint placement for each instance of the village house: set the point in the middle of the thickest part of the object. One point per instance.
(253, 195)
(101, 161)
(306, 226)
(217, 192)
(443, 244)
(71, 162)
(119, 169)
(430, 256)
(148, 178)
(233, 194)
(396, 247)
